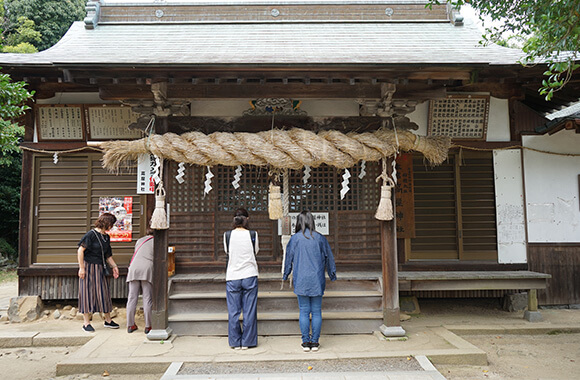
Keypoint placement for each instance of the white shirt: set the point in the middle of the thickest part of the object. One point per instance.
(242, 259)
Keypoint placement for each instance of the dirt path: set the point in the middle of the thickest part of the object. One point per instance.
(518, 357)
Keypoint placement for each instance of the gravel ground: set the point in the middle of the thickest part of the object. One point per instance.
(330, 365)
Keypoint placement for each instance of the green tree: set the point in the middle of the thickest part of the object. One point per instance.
(551, 29)
(23, 39)
(51, 18)
(13, 99)
(10, 206)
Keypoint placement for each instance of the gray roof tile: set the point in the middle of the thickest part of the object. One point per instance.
(269, 44)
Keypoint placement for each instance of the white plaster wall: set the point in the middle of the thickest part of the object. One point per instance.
(498, 125)
(552, 206)
(509, 201)
(420, 117)
(234, 107)
(76, 98)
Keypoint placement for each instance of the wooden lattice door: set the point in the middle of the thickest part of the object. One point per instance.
(198, 220)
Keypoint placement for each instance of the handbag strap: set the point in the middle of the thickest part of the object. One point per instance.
(102, 250)
(136, 249)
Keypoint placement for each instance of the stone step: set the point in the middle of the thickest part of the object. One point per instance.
(276, 301)
(276, 323)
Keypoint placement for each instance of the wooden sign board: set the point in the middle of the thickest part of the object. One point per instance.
(60, 122)
(405, 197)
(106, 122)
(462, 117)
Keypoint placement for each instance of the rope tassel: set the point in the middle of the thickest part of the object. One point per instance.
(159, 217)
(385, 208)
(274, 202)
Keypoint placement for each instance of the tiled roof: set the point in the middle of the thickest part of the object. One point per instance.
(572, 110)
(269, 44)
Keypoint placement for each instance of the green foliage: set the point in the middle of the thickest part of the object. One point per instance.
(551, 29)
(23, 47)
(24, 33)
(10, 206)
(13, 98)
(51, 18)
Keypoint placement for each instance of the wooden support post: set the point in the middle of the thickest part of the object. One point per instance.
(391, 319)
(160, 327)
(532, 314)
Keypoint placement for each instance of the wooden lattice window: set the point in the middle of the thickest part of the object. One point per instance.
(252, 192)
(189, 196)
(319, 192)
(364, 192)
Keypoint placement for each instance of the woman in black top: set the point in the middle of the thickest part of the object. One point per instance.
(94, 250)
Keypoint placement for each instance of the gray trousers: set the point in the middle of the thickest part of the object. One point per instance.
(133, 297)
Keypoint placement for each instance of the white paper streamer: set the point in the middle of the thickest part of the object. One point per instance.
(363, 167)
(157, 170)
(345, 182)
(207, 188)
(180, 173)
(237, 176)
(306, 176)
(394, 173)
(55, 158)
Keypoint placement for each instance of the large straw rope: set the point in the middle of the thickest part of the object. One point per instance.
(292, 149)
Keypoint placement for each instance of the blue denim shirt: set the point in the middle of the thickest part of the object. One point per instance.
(309, 256)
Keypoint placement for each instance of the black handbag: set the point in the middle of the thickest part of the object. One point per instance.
(106, 268)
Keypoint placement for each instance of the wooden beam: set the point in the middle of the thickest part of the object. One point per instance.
(271, 90)
(226, 91)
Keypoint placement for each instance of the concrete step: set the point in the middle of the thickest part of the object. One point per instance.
(276, 323)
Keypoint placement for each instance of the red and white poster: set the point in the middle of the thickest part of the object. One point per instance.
(122, 208)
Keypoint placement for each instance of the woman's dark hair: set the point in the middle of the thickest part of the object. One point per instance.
(305, 221)
(149, 231)
(106, 221)
(241, 218)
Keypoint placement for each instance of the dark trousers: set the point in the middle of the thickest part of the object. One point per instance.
(242, 296)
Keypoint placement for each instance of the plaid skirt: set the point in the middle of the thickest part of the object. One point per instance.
(94, 293)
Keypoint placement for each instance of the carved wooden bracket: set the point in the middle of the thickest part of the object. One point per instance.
(387, 106)
(160, 105)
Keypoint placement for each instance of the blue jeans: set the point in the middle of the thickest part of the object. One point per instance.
(242, 295)
(310, 306)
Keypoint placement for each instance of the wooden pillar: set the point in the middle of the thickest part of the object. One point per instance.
(159, 322)
(391, 326)
(532, 314)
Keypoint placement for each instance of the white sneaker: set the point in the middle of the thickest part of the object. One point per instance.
(306, 347)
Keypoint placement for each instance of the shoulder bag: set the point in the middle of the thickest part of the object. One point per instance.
(106, 268)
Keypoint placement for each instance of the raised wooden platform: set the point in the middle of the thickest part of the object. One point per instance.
(471, 280)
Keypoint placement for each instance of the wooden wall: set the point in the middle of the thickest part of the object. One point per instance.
(562, 261)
